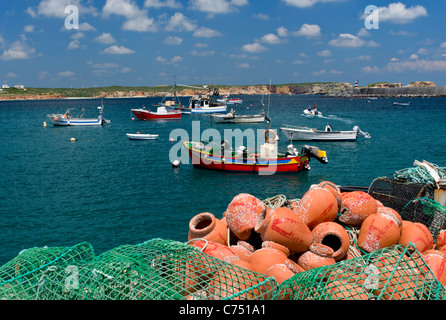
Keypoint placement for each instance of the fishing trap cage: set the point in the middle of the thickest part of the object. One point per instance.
(154, 270)
(393, 273)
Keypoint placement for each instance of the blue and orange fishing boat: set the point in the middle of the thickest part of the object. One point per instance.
(268, 161)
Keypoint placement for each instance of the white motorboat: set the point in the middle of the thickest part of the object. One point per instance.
(401, 103)
(312, 112)
(66, 119)
(142, 136)
(311, 134)
(232, 117)
(198, 104)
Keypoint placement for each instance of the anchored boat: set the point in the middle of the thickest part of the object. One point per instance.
(232, 117)
(67, 119)
(311, 134)
(142, 136)
(268, 160)
(162, 113)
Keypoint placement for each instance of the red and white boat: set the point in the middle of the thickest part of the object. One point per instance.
(162, 113)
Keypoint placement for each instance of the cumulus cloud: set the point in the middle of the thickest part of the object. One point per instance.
(398, 13)
(118, 50)
(56, 8)
(179, 22)
(173, 41)
(347, 40)
(254, 48)
(213, 7)
(136, 18)
(159, 4)
(105, 38)
(204, 32)
(324, 53)
(419, 65)
(369, 69)
(173, 60)
(309, 30)
(271, 39)
(306, 3)
(18, 50)
(67, 74)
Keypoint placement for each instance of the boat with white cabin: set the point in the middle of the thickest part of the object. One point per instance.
(67, 119)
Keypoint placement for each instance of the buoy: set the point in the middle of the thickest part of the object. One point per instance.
(73, 139)
(44, 123)
(176, 163)
(133, 118)
(171, 139)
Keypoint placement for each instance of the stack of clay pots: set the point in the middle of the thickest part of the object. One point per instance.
(309, 234)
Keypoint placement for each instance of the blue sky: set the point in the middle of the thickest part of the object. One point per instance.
(234, 42)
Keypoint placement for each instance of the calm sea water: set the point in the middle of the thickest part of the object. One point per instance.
(108, 190)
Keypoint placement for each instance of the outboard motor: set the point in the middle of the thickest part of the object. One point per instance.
(365, 134)
(314, 152)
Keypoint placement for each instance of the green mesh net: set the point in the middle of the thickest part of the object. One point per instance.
(154, 270)
(428, 212)
(394, 273)
(24, 277)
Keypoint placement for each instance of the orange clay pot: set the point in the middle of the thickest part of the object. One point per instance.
(419, 235)
(316, 206)
(441, 240)
(356, 206)
(293, 266)
(243, 264)
(318, 255)
(206, 226)
(283, 226)
(334, 189)
(215, 249)
(380, 230)
(270, 254)
(280, 272)
(335, 236)
(243, 249)
(436, 260)
(241, 214)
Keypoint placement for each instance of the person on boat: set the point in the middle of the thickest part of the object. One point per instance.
(309, 108)
(291, 151)
(315, 109)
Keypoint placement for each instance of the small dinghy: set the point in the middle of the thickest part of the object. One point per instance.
(142, 136)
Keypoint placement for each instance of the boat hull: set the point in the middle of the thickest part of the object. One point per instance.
(209, 109)
(239, 119)
(316, 135)
(204, 160)
(141, 136)
(77, 122)
(142, 114)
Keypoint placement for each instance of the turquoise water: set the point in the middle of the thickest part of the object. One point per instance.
(109, 190)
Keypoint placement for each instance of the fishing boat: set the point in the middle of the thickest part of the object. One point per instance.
(401, 103)
(199, 104)
(67, 119)
(268, 161)
(232, 117)
(162, 113)
(294, 133)
(142, 136)
(228, 101)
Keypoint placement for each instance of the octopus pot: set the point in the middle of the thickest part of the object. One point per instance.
(206, 226)
(283, 226)
(243, 249)
(335, 236)
(318, 255)
(334, 189)
(436, 260)
(356, 207)
(270, 254)
(316, 206)
(419, 235)
(379, 231)
(241, 214)
(280, 272)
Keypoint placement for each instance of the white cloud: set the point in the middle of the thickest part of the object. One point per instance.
(18, 50)
(243, 65)
(306, 3)
(85, 26)
(399, 14)
(282, 32)
(174, 41)
(324, 53)
(75, 44)
(173, 60)
(336, 72)
(271, 39)
(213, 7)
(394, 59)
(402, 33)
(204, 32)
(363, 33)
(56, 8)
(179, 22)
(443, 45)
(422, 51)
(260, 16)
(159, 4)
(105, 65)
(118, 50)
(347, 40)
(359, 58)
(29, 28)
(413, 56)
(369, 69)
(309, 30)
(318, 73)
(126, 70)
(105, 38)
(136, 18)
(67, 74)
(202, 53)
(254, 48)
(420, 65)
